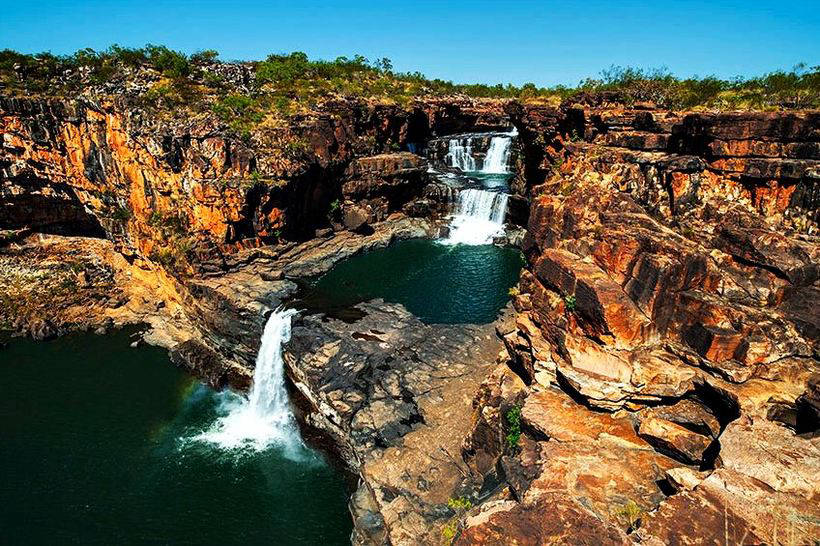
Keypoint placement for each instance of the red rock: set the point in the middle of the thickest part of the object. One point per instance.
(671, 437)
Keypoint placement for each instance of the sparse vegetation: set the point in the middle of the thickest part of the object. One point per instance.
(240, 112)
(335, 210)
(285, 84)
(121, 214)
(460, 505)
(513, 417)
(630, 514)
(448, 532)
(569, 303)
(175, 247)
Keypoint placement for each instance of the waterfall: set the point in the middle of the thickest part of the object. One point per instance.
(498, 155)
(479, 216)
(264, 418)
(460, 154)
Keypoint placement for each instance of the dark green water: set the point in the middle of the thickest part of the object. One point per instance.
(491, 180)
(437, 283)
(93, 451)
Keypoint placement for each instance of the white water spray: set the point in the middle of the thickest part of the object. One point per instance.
(264, 419)
(479, 217)
(498, 156)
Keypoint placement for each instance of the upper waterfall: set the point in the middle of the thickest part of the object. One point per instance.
(498, 156)
(460, 154)
(265, 417)
(463, 149)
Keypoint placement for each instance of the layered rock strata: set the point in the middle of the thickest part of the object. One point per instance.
(664, 333)
(657, 381)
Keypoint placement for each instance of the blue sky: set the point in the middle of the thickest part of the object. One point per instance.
(518, 41)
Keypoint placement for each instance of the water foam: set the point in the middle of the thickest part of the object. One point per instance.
(264, 419)
(498, 156)
(479, 217)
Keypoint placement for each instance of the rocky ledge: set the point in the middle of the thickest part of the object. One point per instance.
(395, 395)
(663, 367)
(657, 380)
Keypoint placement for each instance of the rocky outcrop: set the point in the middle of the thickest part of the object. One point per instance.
(394, 394)
(376, 186)
(659, 314)
(661, 359)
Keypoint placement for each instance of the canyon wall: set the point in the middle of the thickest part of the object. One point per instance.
(183, 198)
(664, 360)
(661, 359)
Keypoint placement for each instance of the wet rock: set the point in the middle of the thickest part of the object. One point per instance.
(41, 330)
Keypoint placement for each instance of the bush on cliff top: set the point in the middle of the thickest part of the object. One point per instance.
(287, 83)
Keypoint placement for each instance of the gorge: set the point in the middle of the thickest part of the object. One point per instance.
(510, 322)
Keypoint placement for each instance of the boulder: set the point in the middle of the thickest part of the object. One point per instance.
(679, 441)
(355, 217)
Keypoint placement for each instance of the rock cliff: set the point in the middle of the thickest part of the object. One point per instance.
(660, 360)
(666, 336)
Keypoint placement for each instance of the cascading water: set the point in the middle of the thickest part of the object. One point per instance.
(498, 155)
(264, 418)
(479, 217)
(460, 154)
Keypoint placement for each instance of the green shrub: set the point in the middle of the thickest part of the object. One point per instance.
(513, 417)
(122, 214)
(460, 503)
(569, 303)
(242, 113)
(292, 79)
(630, 514)
(448, 532)
(205, 56)
(171, 63)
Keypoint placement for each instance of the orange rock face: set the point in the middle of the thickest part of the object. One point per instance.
(669, 259)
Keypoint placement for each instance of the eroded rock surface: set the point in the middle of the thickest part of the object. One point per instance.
(657, 382)
(395, 394)
(661, 322)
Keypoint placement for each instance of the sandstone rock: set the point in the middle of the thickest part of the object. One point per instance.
(690, 414)
(553, 520)
(355, 217)
(395, 394)
(684, 478)
(772, 454)
(485, 442)
(733, 507)
(680, 442)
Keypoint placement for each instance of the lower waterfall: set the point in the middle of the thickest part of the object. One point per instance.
(478, 217)
(264, 419)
